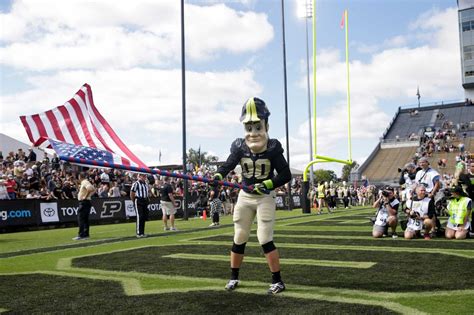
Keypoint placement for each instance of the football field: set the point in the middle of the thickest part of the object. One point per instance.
(330, 264)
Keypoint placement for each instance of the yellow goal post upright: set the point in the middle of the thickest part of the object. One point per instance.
(306, 203)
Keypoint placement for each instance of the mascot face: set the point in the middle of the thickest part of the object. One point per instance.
(256, 137)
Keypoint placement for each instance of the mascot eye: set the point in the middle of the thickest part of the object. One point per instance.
(248, 128)
(258, 127)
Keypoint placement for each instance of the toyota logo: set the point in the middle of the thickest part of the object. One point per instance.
(49, 212)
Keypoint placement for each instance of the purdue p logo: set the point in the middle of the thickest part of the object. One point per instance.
(109, 208)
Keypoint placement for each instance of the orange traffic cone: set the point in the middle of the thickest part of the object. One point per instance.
(204, 215)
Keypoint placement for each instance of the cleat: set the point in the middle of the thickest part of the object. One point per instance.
(231, 285)
(142, 236)
(276, 288)
(173, 229)
(166, 228)
(77, 238)
(394, 235)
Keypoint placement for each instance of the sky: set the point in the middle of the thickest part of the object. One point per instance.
(130, 54)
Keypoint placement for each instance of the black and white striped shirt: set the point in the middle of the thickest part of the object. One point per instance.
(140, 189)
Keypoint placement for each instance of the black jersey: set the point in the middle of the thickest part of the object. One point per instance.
(258, 167)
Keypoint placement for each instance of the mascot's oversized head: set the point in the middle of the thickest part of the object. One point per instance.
(255, 119)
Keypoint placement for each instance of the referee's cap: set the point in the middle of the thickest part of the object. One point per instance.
(254, 110)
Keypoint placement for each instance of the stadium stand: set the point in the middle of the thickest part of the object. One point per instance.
(409, 134)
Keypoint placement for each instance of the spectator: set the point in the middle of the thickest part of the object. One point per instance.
(114, 191)
(215, 206)
(386, 216)
(11, 186)
(67, 191)
(459, 210)
(31, 156)
(103, 191)
(420, 211)
(3, 189)
(55, 162)
(33, 194)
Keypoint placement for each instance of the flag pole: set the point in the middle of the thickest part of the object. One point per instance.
(346, 22)
(147, 170)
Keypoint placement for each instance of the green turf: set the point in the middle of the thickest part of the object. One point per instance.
(329, 263)
(388, 241)
(396, 269)
(64, 295)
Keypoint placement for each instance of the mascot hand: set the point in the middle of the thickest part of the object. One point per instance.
(263, 188)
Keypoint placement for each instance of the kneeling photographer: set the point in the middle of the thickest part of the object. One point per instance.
(420, 211)
(386, 216)
(459, 209)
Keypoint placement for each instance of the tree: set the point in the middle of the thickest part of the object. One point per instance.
(346, 170)
(198, 157)
(324, 175)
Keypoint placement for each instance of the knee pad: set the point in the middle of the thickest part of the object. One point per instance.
(268, 247)
(238, 249)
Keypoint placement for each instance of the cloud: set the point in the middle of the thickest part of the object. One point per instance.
(142, 105)
(390, 76)
(77, 35)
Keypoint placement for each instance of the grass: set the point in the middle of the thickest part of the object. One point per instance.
(329, 263)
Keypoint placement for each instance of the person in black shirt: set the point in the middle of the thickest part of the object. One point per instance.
(139, 194)
(259, 157)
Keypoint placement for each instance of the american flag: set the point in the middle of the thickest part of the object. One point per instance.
(78, 122)
(85, 155)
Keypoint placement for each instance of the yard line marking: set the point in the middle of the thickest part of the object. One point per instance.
(283, 261)
(450, 252)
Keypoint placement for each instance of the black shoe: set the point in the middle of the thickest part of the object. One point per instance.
(276, 288)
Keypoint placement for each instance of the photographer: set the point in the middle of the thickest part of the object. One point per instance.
(420, 211)
(467, 181)
(459, 209)
(387, 206)
(407, 178)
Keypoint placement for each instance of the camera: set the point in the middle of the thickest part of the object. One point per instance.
(402, 170)
(414, 215)
(385, 193)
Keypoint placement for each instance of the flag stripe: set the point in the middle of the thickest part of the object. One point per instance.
(79, 122)
(62, 125)
(34, 130)
(101, 130)
(109, 130)
(39, 124)
(54, 123)
(69, 124)
(27, 127)
(82, 122)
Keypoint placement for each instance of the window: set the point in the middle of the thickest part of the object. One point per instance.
(468, 52)
(466, 26)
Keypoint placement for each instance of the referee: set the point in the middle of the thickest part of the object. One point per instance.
(139, 195)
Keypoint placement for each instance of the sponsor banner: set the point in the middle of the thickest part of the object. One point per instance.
(36, 212)
(282, 202)
(49, 212)
(17, 213)
(129, 209)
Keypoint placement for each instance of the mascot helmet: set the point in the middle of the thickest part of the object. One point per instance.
(254, 110)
